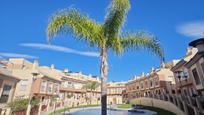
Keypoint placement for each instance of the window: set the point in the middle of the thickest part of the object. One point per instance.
(43, 86)
(23, 85)
(141, 85)
(156, 82)
(56, 88)
(185, 73)
(5, 93)
(50, 87)
(196, 77)
(151, 83)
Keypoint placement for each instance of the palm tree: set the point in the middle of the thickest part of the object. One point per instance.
(91, 85)
(105, 36)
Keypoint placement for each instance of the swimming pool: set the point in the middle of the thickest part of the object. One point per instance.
(97, 111)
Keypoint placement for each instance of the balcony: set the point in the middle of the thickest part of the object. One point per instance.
(188, 104)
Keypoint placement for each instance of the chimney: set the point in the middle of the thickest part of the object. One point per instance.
(66, 70)
(162, 65)
(52, 66)
(90, 75)
(143, 74)
(35, 64)
(199, 44)
(188, 51)
(152, 69)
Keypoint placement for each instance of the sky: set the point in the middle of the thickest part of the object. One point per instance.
(23, 26)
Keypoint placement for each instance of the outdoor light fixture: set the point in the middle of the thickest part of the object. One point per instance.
(35, 74)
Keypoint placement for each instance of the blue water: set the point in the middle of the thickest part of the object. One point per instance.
(110, 112)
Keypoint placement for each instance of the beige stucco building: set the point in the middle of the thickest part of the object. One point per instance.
(7, 89)
(157, 81)
(115, 92)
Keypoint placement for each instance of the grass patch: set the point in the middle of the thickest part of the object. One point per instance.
(125, 106)
(67, 109)
(158, 110)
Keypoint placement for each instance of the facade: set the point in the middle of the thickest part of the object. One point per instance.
(156, 82)
(184, 83)
(195, 66)
(73, 92)
(7, 89)
(184, 91)
(36, 82)
(56, 88)
(115, 92)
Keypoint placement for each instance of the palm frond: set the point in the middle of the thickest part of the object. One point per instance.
(115, 18)
(142, 40)
(80, 26)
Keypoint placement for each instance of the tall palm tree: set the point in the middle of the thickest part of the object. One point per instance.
(91, 85)
(105, 36)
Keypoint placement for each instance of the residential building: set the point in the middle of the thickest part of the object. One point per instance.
(184, 83)
(7, 89)
(195, 66)
(73, 92)
(156, 82)
(115, 92)
(36, 82)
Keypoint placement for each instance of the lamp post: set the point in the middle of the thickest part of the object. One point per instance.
(34, 77)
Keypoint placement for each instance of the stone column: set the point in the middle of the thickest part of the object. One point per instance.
(40, 106)
(28, 109)
(48, 104)
(8, 111)
(39, 109)
(185, 108)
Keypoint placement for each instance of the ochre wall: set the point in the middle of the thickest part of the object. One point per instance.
(158, 103)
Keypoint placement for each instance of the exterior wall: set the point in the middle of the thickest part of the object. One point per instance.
(185, 85)
(11, 83)
(23, 87)
(157, 81)
(115, 92)
(158, 103)
(37, 89)
(197, 66)
(115, 99)
(72, 90)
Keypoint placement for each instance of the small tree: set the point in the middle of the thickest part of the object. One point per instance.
(91, 85)
(21, 104)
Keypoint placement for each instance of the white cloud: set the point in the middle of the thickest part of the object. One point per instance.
(60, 49)
(16, 55)
(193, 29)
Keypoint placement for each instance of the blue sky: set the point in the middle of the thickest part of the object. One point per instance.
(23, 33)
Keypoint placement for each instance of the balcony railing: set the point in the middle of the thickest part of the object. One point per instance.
(188, 104)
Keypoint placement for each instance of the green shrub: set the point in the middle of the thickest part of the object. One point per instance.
(19, 104)
(22, 104)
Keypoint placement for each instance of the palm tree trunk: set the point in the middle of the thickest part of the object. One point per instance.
(104, 72)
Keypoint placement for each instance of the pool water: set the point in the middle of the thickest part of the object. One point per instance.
(110, 112)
